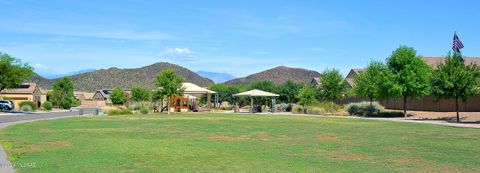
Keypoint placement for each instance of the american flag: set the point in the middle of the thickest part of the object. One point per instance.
(457, 44)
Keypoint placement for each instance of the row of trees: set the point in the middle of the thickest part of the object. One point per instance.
(287, 91)
(406, 75)
(167, 85)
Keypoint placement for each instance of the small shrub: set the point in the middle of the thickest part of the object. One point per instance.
(298, 109)
(135, 107)
(47, 105)
(283, 107)
(315, 110)
(226, 108)
(145, 110)
(26, 108)
(364, 109)
(32, 105)
(329, 106)
(119, 111)
(353, 108)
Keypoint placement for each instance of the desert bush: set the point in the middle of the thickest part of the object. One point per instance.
(32, 105)
(298, 109)
(283, 107)
(47, 105)
(119, 111)
(364, 109)
(26, 108)
(145, 110)
(329, 106)
(315, 110)
(135, 107)
(226, 108)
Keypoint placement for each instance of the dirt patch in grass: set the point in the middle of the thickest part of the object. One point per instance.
(342, 156)
(45, 130)
(21, 150)
(261, 136)
(326, 138)
(227, 138)
(138, 163)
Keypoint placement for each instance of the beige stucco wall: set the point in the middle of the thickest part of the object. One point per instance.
(18, 98)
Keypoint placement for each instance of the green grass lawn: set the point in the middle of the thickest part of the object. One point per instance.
(239, 143)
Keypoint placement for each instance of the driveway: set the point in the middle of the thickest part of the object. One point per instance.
(17, 118)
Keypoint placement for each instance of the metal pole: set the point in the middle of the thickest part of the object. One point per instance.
(251, 104)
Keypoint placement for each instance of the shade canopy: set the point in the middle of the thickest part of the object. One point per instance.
(191, 88)
(257, 93)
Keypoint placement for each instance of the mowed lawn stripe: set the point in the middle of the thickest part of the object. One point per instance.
(239, 143)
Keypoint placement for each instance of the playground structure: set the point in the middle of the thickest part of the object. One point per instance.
(191, 99)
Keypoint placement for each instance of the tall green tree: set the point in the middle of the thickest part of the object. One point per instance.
(225, 92)
(307, 95)
(332, 85)
(13, 72)
(169, 85)
(117, 96)
(264, 85)
(140, 94)
(412, 77)
(454, 79)
(374, 83)
(62, 94)
(288, 91)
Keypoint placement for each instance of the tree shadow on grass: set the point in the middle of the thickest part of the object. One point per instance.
(389, 114)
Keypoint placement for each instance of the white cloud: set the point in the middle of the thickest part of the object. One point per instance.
(41, 67)
(178, 54)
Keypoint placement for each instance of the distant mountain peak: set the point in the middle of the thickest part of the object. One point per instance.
(55, 76)
(216, 76)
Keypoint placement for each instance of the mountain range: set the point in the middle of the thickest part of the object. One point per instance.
(216, 77)
(145, 76)
(124, 78)
(54, 76)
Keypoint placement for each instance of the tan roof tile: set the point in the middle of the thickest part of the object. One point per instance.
(25, 88)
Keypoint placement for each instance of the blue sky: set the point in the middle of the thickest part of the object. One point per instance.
(239, 38)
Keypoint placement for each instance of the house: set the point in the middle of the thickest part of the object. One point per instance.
(24, 92)
(315, 81)
(350, 79)
(81, 96)
(104, 95)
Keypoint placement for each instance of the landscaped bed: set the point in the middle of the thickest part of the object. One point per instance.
(239, 143)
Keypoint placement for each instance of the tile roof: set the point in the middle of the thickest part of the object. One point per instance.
(434, 61)
(316, 81)
(25, 88)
